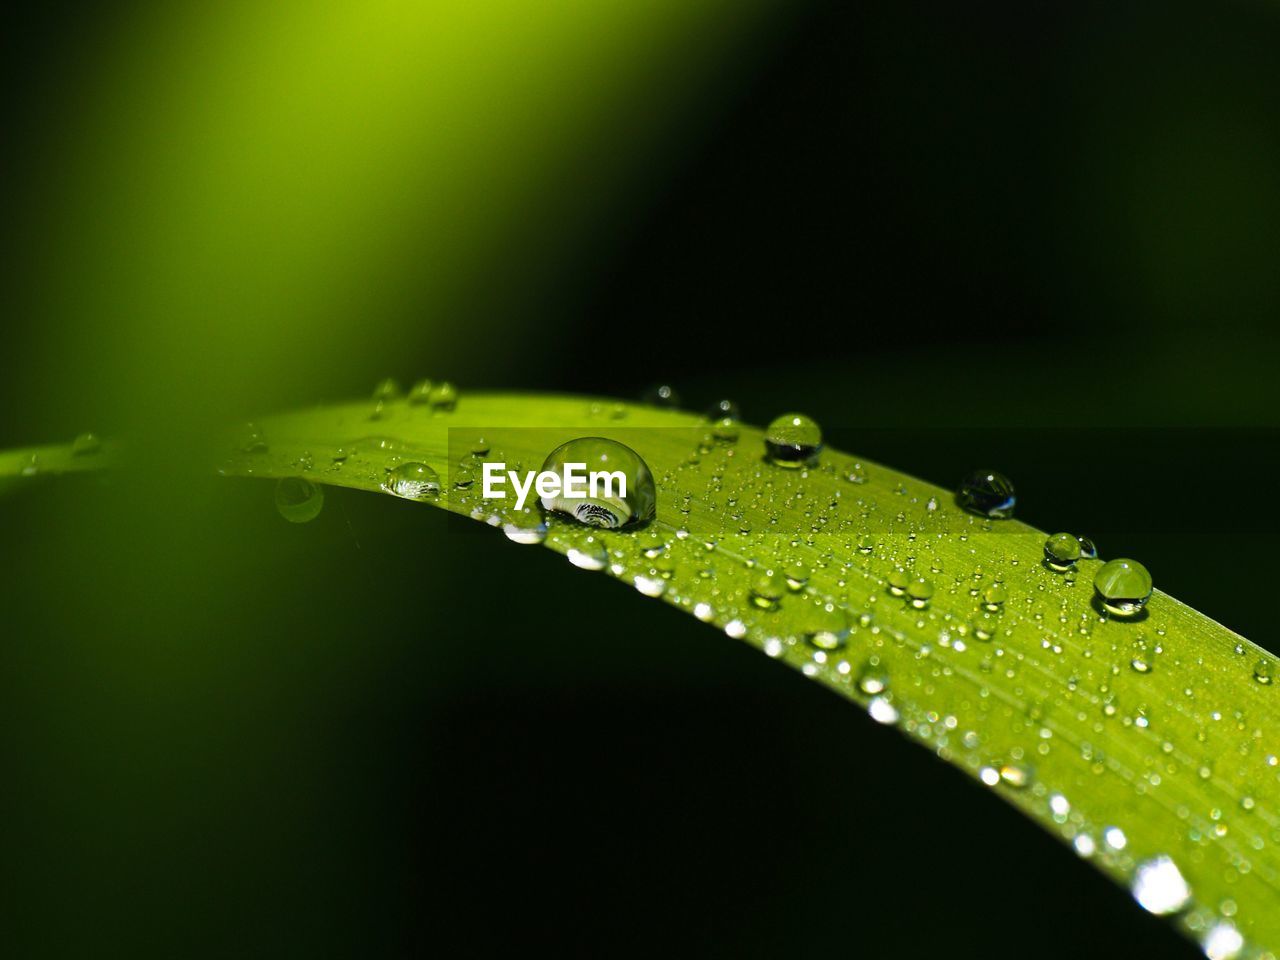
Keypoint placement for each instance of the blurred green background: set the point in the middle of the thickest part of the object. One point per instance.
(1029, 237)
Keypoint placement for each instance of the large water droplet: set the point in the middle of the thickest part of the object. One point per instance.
(604, 504)
(413, 481)
(793, 440)
(1123, 586)
(1159, 887)
(1061, 551)
(988, 494)
(299, 500)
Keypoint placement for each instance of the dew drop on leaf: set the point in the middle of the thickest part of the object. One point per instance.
(767, 589)
(793, 440)
(661, 395)
(1159, 887)
(387, 389)
(1061, 551)
(1222, 941)
(299, 500)
(604, 505)
(1123, 586)
(442, 396)
(988, 494)
(588, 555)
(413, 481)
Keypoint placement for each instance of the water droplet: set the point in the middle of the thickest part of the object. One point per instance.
(299, 500)
(1088, 549)
(920, 590)
(1222, 941)
(724, 410)
(988, 494)
(1114, 838)
(882, 711)
(1015, 776)
(898, 580)
(650, 586)
(661, 395)
(793, 440)
(420, 392)
(1061, 551)
(1123, 586)
(767, 589)
(829, 629)
(725, 430)
(388, 389)
(528, 529)
(442, 396)
(252, 439)
(604, 505)
(1159, 887)
(1262, 671)
(797, 575)
(994, 596)
(589, 555)
(872, 680)
(413, 481)
(85, 445)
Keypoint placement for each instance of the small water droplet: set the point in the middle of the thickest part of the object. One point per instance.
(1262, 671)
(988, 494)
(420, 392)
(527, 529)
(661, 395)
(1159, 887)
(767, 589)
(252, 439)
(1015, 776)
(1123, 587)
(994, 596)
(442, 396)
(85, 445)
(882, 711)
(388, 389)
(299, 500)
(650, 586)
(604, 505)
(920, 590)
(413, 481)
(1088, 549)
(872, 680)
(589, 555)
(1114, 838)
(1061, 551)
(793, 440)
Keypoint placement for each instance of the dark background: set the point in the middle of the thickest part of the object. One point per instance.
(1032, 237)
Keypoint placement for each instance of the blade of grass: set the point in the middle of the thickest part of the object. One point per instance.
(1148, 746)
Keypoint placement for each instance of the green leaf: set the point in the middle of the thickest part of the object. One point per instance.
(1148, 745)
